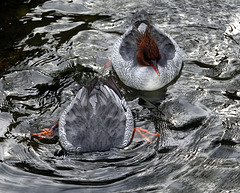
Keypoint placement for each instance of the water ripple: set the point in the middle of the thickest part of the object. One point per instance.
(61, 45)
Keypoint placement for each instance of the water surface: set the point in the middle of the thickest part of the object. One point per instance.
(49, 49)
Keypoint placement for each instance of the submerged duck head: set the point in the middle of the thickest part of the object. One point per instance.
(148, 53)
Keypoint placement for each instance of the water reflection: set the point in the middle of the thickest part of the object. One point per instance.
(52, 48)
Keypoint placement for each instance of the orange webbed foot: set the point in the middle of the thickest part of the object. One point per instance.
(46, 132)
(108, 64)
(140, 130)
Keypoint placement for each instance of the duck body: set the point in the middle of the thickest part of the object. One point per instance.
(126, 50)
(97, 119)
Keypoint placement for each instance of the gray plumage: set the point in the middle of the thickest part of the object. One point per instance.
(97, 119)
(125, 62)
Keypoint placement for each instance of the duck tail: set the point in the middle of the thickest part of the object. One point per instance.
(90, 86)
(110, 81)
(141, 17)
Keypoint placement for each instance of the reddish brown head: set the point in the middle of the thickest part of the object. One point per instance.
(147, 51)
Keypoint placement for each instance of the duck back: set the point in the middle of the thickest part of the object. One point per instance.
(96, 120)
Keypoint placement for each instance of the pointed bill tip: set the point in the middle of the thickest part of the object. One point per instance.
(155, 67)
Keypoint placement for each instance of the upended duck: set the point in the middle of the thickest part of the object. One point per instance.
(146, 58)
(97, 119)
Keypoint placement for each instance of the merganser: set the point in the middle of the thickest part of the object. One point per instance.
(146, 58)
(97, 119)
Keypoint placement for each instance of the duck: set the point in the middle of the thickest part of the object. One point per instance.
(97, 119)
(144, 57)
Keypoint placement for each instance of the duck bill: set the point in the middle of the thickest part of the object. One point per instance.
(154, 65)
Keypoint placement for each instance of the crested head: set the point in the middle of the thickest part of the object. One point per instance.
(147, 48)
(148, 53)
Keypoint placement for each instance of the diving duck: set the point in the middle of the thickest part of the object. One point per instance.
(97, 119)
(146, 58)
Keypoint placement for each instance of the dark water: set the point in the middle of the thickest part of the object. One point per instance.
(49, 49)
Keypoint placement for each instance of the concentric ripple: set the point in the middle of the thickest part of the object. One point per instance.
(61, 45)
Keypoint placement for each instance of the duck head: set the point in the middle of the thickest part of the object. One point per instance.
(148, 53)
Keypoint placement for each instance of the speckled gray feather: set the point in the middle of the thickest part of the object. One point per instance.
(97, 119)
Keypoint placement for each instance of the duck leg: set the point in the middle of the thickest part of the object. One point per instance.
(46, 132)
(140, 130)
(108, 64)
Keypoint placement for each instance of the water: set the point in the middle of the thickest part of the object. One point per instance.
(50, 48)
